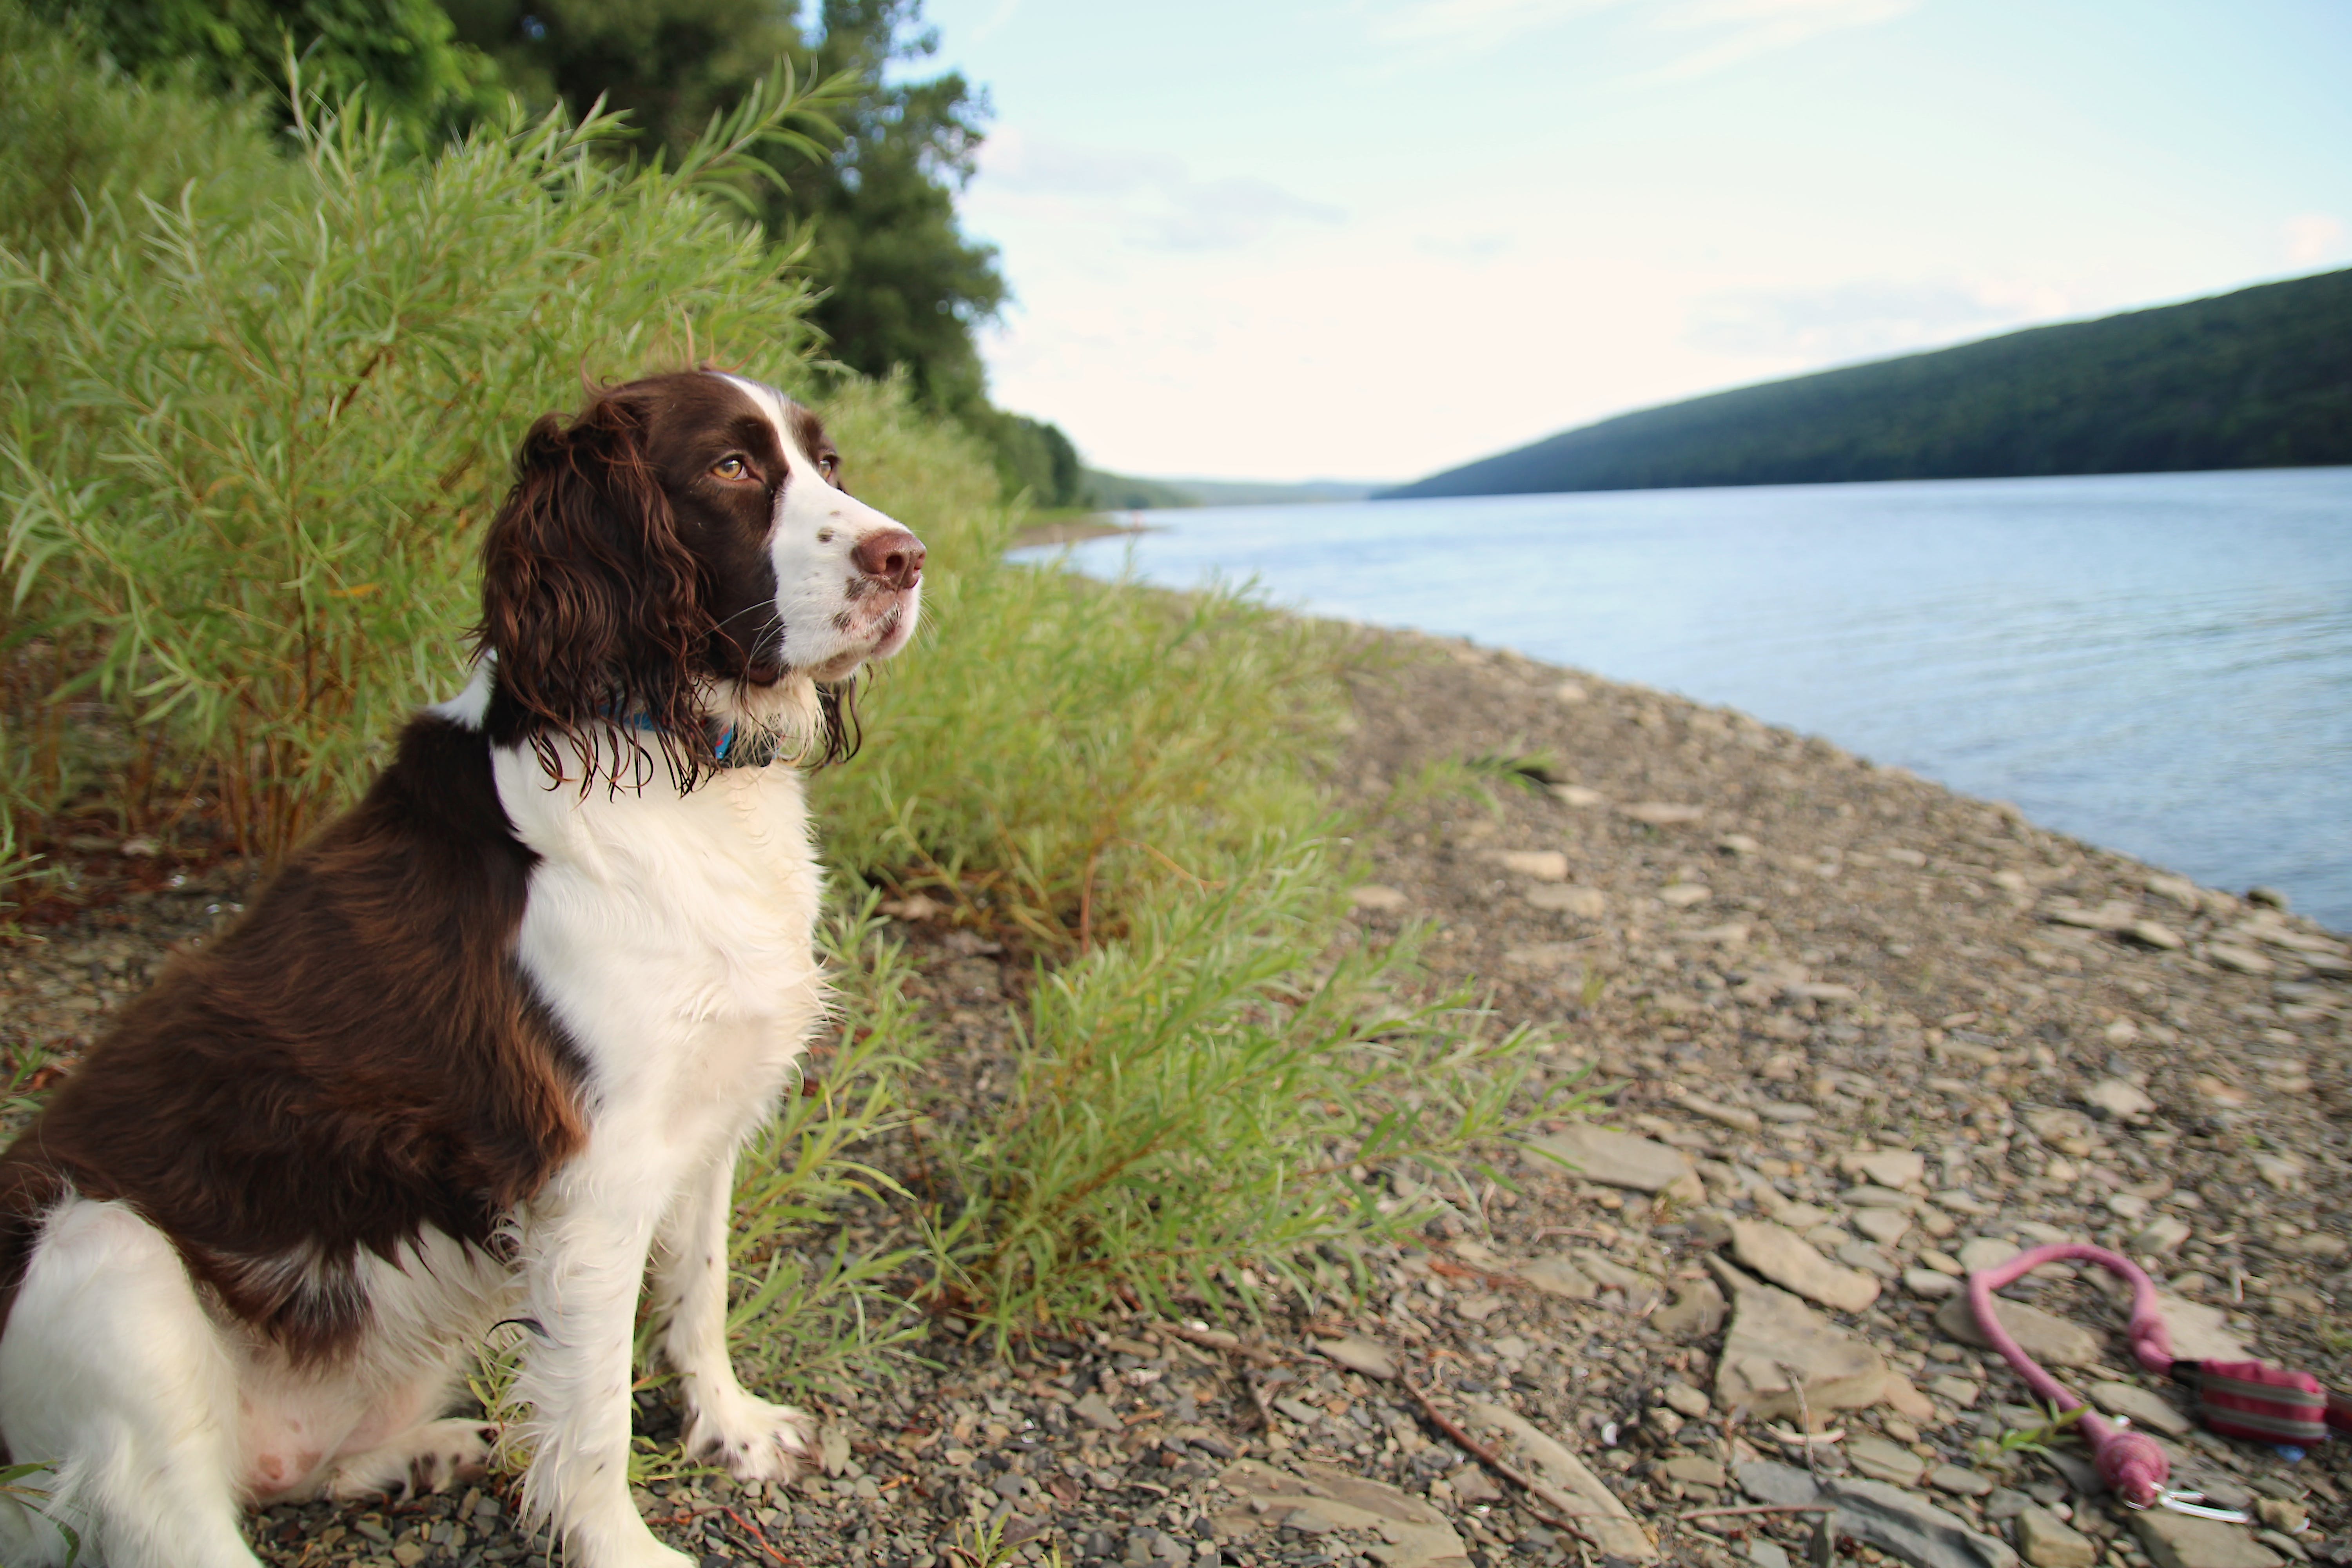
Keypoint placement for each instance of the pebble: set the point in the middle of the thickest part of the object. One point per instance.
(2146, 1409)
(1884, 1461)
(1884, 1227)
(2052, 1341)
(1787, 1259)
(1982, 1252)
(1959, 1480)
(1375, 896)
(1928, 1285)
(1584, 903)
(2184, 1541)
(2118, 1099)
(1360, 1354)
(1541, 865)
(1621, 1160)
(2048, 1542)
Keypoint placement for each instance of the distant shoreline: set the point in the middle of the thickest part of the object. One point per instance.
(1075, 530)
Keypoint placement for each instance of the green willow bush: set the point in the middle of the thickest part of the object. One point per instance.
(248, 452)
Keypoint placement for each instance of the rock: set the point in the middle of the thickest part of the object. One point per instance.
(1584, 903)
(2146, 1409)
(1614, 1531)
(1691, 1401)
(1682, 895)
(1884, 1227)
(1869, 1260)
(1471, 1485)
(2281, 1514)
(1360, 1354)
(1323, 1498)
(1982, 1252)
(1621, 1160)
(2053, 1342)
(1737, 1117)
(1693, 1471)
(1696, 1314)
(1763, 1551)
(1661, 814)
(1772, 1330)
(1928, 1285)
(1905, 1401)
(1963, 1391)
(2118, 1098)
(2245, 961)
(1959, 1481)
(1884, 1461)
(2156, 934)
(1781, 1486)
(1889, 1168)
(2284, 1172)
(1578, 795)
(2005, 1503)
(1374, 896)
(1786, 1258)
(2199, 1332)
(1910, 1527)
(2184, 1541)
(1095, 1412)
(1639, 1290)
(1558, 1277)
(1545, 956)
(2048, 1542)
(1542, 865)
(1870, 1196)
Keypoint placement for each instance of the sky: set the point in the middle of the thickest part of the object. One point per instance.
(1370, 240)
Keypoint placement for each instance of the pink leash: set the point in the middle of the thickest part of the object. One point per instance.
(2132, 1462)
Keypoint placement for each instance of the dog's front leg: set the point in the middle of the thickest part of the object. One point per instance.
(584, 1263)
(757, 1441)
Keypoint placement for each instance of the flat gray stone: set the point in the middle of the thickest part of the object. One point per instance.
(1884, 1461)
(2184, 1541)
(1095, 1412)
(1788, 1259)
(2053, 1342)
(2199, 1332)
(2146, 1407)
(1558, 1277)
(1889, 1168)
(1360, 1354)
(1696, 1314)
(1959, 1480)
(1928, 1285)
(1621, 1160)
(2048, 1542)
(2118, 1098)
(1979, 1253)
(1884, 1227)
(1774, 1336)
(1614, 1529)
(1911, 1528)
(1770, 1481)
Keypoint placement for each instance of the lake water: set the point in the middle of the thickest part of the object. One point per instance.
(2159, 663)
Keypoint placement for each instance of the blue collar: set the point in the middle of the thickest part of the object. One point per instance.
(752, 756)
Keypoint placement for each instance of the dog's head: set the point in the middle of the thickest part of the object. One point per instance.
(680, 564)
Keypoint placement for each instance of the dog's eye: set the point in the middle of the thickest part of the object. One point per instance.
(731, 468)
(828, 465)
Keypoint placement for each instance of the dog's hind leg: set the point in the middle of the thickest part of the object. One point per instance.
(755, 1441)
(113, 1376)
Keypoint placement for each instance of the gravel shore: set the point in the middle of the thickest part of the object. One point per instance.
(1855, 1033)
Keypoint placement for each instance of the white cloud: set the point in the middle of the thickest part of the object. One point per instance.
(1150, 200)
(2312, 238)
(1865, 318)
(1725, 32)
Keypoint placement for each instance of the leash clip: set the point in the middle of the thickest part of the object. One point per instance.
(2194, 1505)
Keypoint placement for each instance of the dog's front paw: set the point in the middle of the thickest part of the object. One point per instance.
(756, 1441)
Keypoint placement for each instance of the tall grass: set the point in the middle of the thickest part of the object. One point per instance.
(248, 450)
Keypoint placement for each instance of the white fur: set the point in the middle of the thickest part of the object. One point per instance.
(672, 935)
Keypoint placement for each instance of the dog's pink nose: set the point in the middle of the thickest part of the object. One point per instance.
(893, 554)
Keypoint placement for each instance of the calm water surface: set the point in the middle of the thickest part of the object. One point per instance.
(2159, 663)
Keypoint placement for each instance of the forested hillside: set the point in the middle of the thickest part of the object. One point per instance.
(2260, 378)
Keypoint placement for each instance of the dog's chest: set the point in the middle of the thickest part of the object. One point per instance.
(673, 934)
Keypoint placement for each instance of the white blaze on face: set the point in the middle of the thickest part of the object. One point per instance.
(835, 616)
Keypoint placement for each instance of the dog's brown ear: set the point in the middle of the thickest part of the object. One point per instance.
(590, 601)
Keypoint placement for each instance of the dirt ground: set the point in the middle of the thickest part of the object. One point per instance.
(1829, 1005)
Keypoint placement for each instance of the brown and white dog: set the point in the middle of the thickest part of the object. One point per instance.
(485, 1050)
